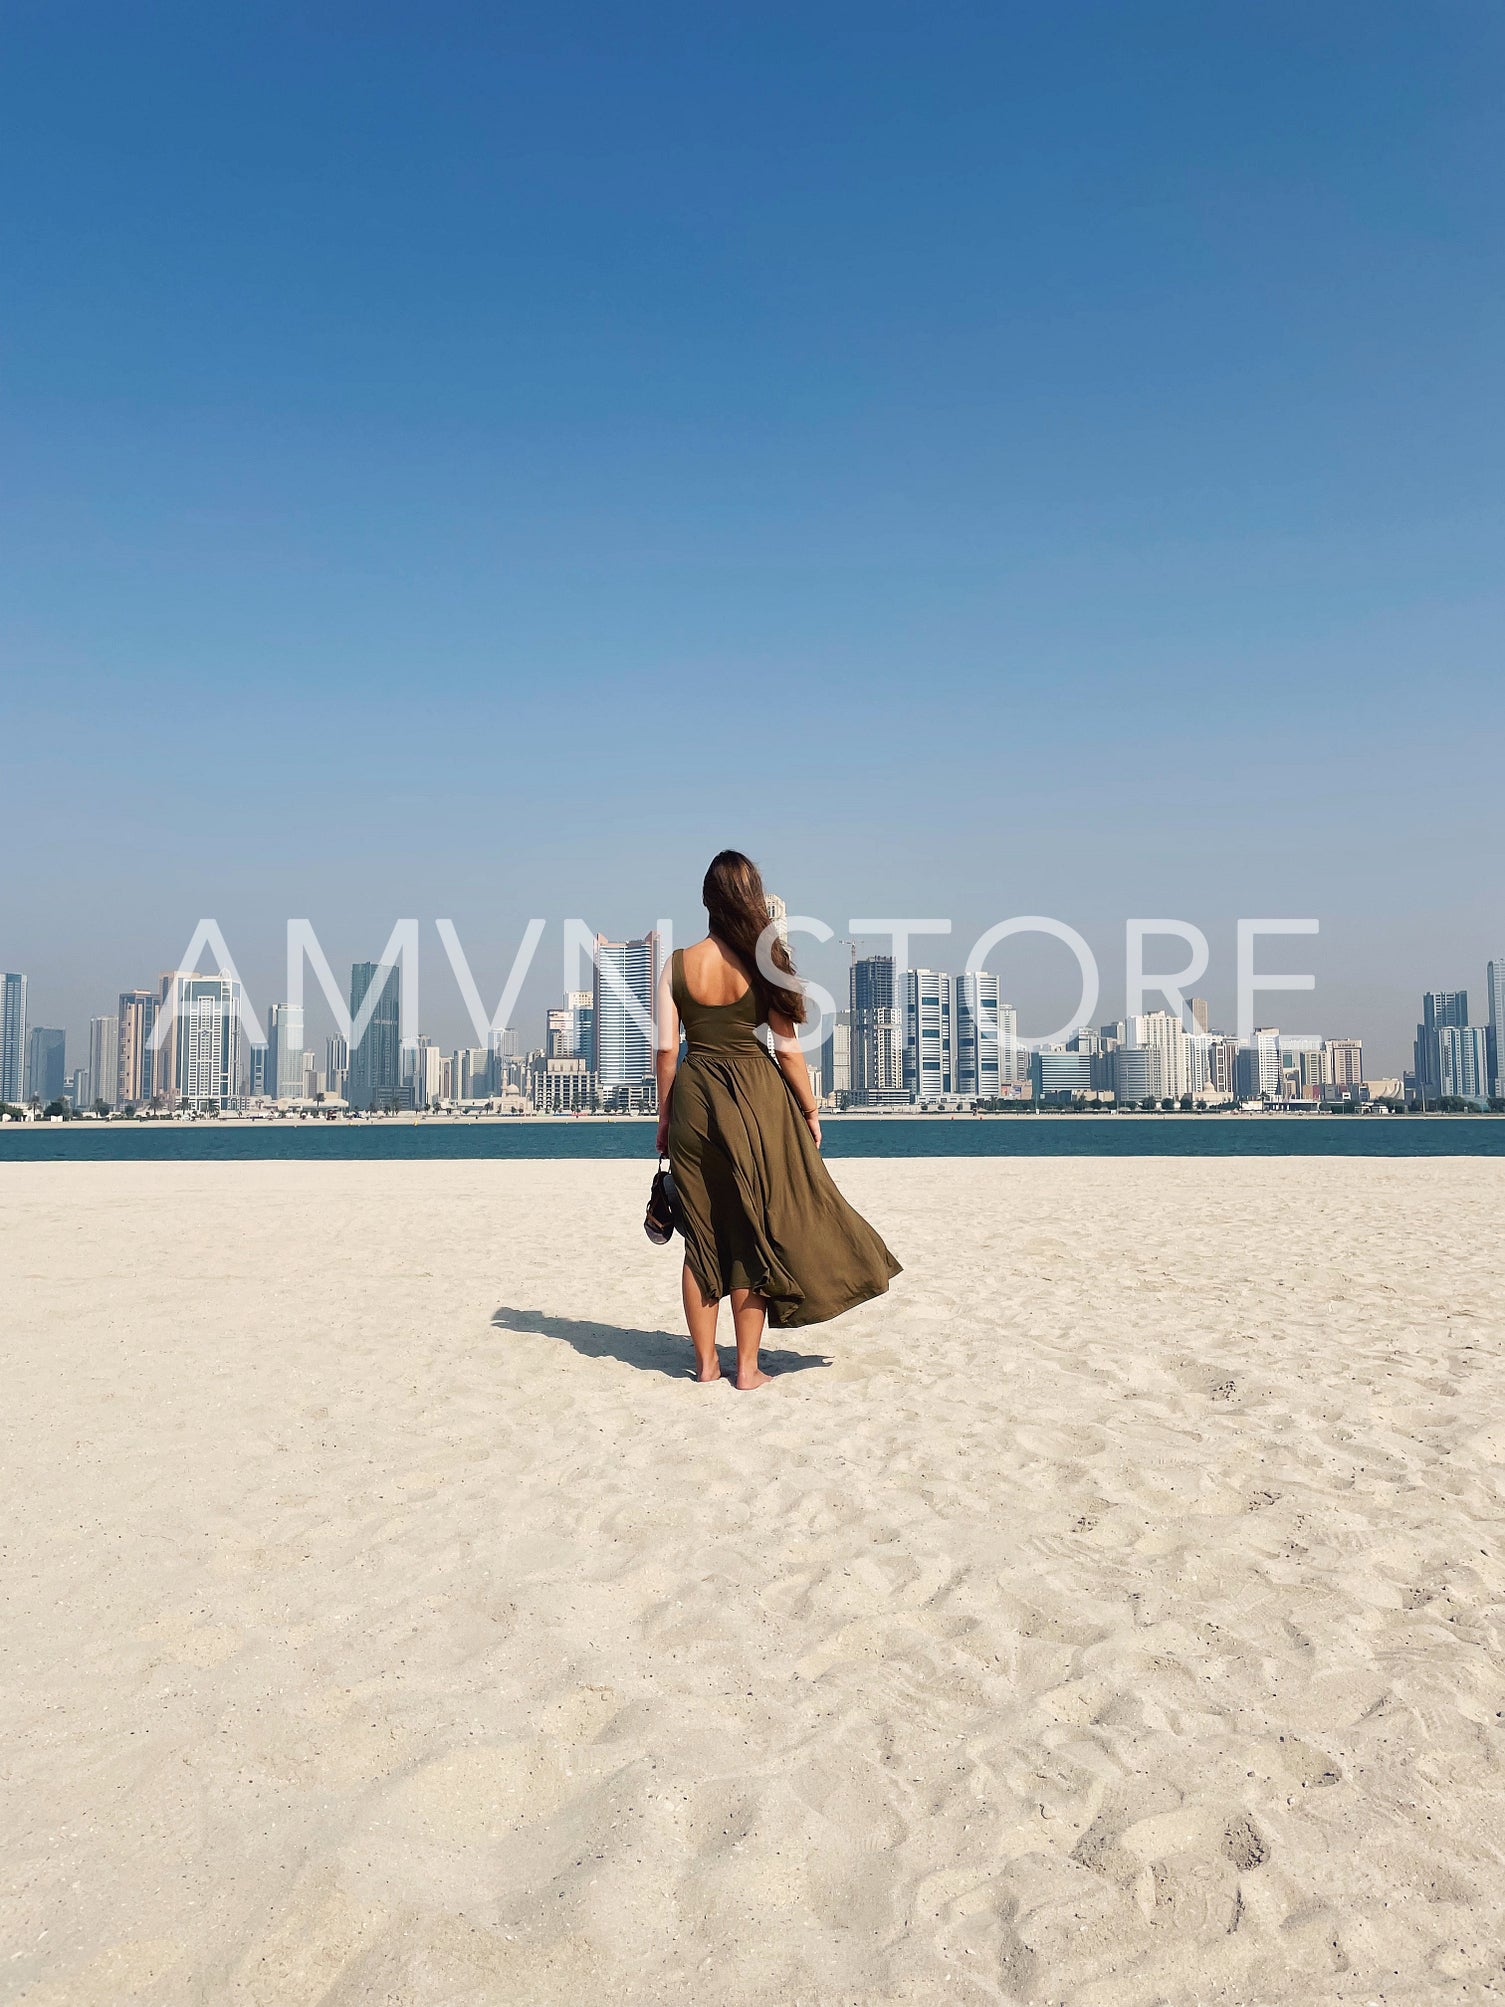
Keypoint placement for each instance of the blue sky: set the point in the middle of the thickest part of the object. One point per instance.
(476, 462)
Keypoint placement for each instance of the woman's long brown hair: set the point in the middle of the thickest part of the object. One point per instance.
(738, 909)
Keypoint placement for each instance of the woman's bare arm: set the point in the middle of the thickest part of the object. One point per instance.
(792, 1065)
(666, 1057)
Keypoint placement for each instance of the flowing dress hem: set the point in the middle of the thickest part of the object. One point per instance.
(864, 1294)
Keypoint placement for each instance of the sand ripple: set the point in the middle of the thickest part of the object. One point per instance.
(1111, 1616)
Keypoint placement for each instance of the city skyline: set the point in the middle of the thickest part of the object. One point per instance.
(902, 1036)
(821, 961)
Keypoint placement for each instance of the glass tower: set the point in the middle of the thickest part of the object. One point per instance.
(1495, 1025)
(621, 1008)
(1441, 1010)
(374, 1079)
(12, 1038)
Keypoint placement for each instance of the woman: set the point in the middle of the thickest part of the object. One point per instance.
(762, 1221)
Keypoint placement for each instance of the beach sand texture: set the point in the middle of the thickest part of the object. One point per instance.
(1112, 1614)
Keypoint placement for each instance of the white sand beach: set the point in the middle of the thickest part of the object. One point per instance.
(1112, 1615)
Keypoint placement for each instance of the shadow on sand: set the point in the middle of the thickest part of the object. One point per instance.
(650, 1351)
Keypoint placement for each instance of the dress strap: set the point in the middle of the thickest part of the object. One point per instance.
(677, 979)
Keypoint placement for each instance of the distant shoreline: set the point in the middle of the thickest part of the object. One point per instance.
(88, 1124)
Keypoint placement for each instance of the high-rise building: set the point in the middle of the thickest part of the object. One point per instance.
(423, 1074)
(626, 973)
(1440, 1007)
(374, 1076)
(284, 1061)
(877, 1034)
(1198, 1008)
(778, 912)
(76, 1088)
(1137, 1075)
(1257, 1067)
(886, 1072)
(1309, 1063)
(929, 1035)
(1222, 1063)
(336, 1066)
(12, 1039)
(1462, 1062)
(1099, 1046)
(473, 1063)
(987, 1034)
(1058, 1075)
(569, 1031)
(198, 1062)
(104, 1059)
(46, 1064)
(1342, 1062)
(1441, 1010)
(256, 1075)
(1164, 1032)
(836, 1057)
(136, 1065)
(1494, 988)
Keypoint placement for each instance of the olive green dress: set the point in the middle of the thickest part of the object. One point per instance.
(757, 1205)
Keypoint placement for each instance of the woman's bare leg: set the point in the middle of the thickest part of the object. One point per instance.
(700, 1316)
(748, 1310)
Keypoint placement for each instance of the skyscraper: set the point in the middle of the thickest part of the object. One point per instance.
(1462, 1062)
(284, 1061)
(1440, 1010)
(1163, 1031)
(877, 1038)
(1494, 989)
(198, 1062)
(1198, 1052)
(986, 1037)
(12, 1039)
(836, 1057)
(1198, 1008)
(929, 1035)
(474, 1066)
(374, 1076)
(625, 974)
(1257, 1067)
(136, 1072)
(46, 1066)
(104, 1059)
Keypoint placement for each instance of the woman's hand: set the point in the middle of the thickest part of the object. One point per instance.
(813, 1119)
(661, 1136)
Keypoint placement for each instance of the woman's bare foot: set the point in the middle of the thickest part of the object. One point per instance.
(705, 1374)
(758, 1378)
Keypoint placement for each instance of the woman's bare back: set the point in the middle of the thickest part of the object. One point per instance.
(712, 974)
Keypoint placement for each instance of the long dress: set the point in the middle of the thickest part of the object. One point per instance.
(758, 1207)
